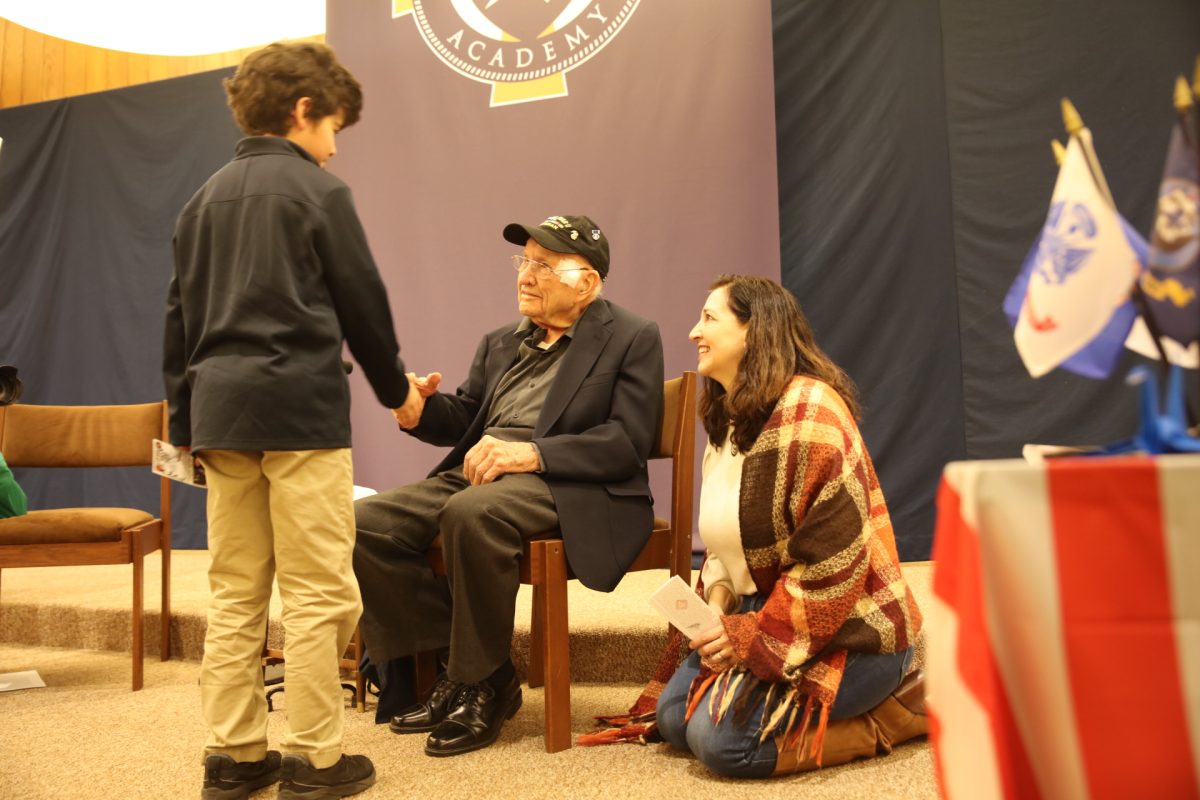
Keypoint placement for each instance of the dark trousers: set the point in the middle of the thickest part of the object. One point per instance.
(406, 608)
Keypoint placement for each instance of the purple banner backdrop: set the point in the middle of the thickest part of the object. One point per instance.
(656, 118)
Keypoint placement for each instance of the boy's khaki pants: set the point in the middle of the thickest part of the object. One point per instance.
(287, 515)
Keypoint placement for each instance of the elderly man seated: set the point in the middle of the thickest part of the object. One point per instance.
(551, 429)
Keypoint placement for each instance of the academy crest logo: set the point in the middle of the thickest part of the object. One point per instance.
(522, 48)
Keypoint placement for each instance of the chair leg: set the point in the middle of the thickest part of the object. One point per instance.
(556, 653)
(425, 672)
(360, 681)
(164, 646)
(537, 637)
(138, 601)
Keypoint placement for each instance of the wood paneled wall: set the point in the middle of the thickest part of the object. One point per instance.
(36, 67)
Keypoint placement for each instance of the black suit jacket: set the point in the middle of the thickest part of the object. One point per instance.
(595, 432)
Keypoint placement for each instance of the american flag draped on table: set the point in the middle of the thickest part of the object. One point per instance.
(1064, 633)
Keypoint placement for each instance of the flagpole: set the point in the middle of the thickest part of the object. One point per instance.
(1077, 130)
(1195, 118)
(1073, 122)
(1060, 152)
(1196, 80)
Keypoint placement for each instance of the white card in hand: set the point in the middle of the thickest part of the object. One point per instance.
(174, 463)
(683, 608)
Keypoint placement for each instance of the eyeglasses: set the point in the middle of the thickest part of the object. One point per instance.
(540, 268)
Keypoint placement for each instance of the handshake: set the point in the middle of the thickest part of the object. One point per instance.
(409, 414)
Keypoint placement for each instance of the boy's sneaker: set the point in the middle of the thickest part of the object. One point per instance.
(302, 781)
(226, 779)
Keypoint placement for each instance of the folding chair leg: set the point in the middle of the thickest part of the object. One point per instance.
(138, 600)
(555, 648)
(360, 681)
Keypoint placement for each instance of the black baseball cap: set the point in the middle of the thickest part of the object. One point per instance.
(565, 234)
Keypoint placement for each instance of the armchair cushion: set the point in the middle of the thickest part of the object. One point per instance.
(71, 525)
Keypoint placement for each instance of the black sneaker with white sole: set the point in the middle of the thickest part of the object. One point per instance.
(226, 779)
(300, 780)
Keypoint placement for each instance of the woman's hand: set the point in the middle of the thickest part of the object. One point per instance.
(716, 651)
(722, 600)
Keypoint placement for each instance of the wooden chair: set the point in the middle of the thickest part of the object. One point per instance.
(90, 436)
(544, 566)
(349, 662)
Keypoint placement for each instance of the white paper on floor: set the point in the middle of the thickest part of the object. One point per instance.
(11, 681)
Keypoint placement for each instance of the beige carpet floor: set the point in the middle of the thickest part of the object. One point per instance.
(86, 735)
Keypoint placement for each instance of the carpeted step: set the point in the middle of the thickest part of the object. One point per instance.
(615, 637)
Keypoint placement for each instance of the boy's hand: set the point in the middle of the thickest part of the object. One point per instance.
(409, 414)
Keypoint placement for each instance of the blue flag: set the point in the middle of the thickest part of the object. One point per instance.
(1172, 281)
(1070, 304)
(1098, 357)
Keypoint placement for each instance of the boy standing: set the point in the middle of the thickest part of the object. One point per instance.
(272, 273)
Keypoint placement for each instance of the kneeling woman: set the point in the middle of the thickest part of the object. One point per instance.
(817, 622)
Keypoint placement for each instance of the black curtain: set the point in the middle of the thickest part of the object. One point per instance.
(866, 229)
(1007, 67)
(89, 190)
(915, 171)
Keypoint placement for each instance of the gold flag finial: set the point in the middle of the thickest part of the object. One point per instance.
(1071, 119)
(1060, 152)
(1183, 95)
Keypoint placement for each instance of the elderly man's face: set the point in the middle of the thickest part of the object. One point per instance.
(553, 300)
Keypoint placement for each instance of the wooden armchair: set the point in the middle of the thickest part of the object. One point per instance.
(90, 436)
(544, 566)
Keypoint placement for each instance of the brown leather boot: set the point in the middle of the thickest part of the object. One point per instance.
(897, 719)
(902, 715)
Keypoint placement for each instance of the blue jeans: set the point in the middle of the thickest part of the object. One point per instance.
(734, 750)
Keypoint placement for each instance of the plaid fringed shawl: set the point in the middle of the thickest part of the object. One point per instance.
(819, 545)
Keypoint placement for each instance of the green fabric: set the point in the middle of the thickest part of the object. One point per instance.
(12, 498)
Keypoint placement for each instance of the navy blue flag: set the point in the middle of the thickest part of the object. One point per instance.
(1172, 282)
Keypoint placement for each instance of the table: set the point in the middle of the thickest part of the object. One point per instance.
(1064, 631)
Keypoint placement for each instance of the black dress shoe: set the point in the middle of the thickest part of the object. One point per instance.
(424, 717)
(475, 722)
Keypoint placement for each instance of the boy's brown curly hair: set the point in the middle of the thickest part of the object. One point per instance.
(265, 88)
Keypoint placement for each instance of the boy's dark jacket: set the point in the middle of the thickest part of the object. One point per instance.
(272, 270)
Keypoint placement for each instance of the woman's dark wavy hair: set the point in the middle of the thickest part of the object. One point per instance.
(779, 346)
(265, 88)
